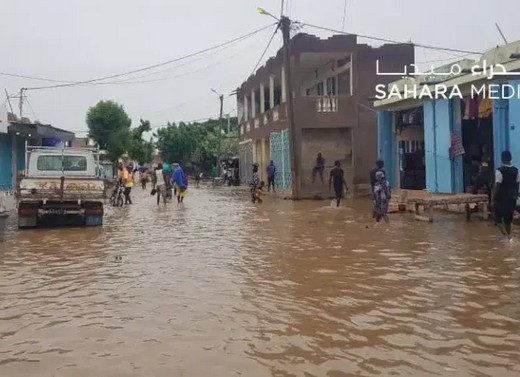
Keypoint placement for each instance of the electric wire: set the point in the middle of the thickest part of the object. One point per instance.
(158, 65)
(266, 49)
(389, 40)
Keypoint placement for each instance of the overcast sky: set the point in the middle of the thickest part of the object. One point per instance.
(75, 40)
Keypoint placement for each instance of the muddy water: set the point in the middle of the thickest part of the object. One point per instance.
(223, 288)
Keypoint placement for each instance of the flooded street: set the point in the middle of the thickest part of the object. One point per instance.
(221, 287)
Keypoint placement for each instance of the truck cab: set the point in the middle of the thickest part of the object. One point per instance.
(61, 186)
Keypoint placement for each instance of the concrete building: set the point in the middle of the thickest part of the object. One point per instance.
(437, 143)
(13, 141)
(333, 81)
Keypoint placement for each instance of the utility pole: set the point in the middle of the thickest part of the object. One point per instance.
(294, 131)
(20, 103)
(221, 98)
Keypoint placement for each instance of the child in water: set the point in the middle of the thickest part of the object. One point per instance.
(259, 192)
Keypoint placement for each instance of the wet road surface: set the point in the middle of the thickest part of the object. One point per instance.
(221, 287)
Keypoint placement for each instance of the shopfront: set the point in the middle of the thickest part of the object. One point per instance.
(463, 133)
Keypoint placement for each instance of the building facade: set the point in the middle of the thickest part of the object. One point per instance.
(22, 132)
(443, 144)
(333, 81)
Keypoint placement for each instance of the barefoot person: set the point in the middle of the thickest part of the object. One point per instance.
(507, 179)
(160, 184)
(337, 178)
(381, 195)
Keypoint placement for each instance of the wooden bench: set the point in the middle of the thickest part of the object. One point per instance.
(430, 201)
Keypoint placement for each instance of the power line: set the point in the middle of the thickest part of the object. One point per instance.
(389, 40)
(176, 76)
(34, 78)
(31, 108)
(105, 83)
(266, 49)
(154, 65)
(444, 60)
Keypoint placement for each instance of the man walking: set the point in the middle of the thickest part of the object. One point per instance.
(507, 179)
(180, 183)
(337, 178)
(271, 172)
(128, 181)
(319, 168)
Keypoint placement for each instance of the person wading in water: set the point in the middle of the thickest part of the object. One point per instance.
(255, 182)
(271, 173)
(380, 166)
(128, 183)
(505, 196)
(160, 184)
(337, 178)
(381, 195)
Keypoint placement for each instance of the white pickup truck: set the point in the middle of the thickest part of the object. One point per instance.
(61, 185)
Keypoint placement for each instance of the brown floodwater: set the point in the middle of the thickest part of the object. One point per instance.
(222, 287)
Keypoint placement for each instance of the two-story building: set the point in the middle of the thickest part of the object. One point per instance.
(333, 82)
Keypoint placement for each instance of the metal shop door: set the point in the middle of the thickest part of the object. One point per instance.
(245, 153)
(280, 154)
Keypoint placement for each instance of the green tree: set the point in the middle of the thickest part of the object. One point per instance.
(197, 143)
(139, 149)
(109, 126)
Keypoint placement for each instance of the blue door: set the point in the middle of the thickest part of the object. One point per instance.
(279, 149)
(514, 126)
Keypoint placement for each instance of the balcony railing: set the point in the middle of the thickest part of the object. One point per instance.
(327, 104)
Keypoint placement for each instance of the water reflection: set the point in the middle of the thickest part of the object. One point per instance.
(225, 287)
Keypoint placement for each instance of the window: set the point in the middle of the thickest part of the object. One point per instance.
(320, 89)
(331, 86)
(62, 163)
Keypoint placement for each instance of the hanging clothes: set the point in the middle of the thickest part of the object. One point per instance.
(456, 148)
(473, 108)
(485, 108)
(465, 108)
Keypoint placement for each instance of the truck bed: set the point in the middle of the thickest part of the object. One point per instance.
(61, 189)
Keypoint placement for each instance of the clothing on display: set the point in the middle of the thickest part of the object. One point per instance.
(485, 107)
(473, 108)
(457, 148)
(470, 108)
(410, 117)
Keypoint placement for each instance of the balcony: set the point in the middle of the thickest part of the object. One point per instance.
(325, 112)
(327, 104)
(310, 112)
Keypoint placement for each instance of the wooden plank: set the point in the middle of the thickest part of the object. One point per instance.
(422, 218)
(430, 213)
